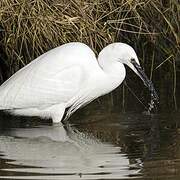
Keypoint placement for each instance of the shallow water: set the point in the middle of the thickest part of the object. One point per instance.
(100, 145)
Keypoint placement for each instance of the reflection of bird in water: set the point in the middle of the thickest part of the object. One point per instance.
(68, 76)
(56, 150)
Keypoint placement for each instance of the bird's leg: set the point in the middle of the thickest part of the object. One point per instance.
(57, 112)
(56, 119)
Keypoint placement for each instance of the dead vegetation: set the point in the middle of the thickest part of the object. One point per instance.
(30, 27)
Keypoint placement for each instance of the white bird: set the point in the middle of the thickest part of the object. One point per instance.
(68, 76)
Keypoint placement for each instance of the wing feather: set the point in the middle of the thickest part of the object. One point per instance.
(41, 88)
(53, 77)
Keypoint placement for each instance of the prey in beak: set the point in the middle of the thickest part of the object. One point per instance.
(148, 83)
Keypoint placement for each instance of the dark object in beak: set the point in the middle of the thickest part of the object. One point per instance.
(148, 83)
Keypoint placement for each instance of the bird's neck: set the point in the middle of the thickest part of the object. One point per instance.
(114, 71)
(110, 65)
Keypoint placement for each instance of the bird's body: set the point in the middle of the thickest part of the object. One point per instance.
(67, 76)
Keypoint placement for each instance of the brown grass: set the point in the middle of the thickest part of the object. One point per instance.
(31, 27)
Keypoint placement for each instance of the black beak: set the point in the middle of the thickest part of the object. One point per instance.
(148, 83)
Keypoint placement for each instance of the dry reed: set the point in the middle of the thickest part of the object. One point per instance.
(30, 27)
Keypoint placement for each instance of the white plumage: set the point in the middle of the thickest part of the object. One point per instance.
(67, 76)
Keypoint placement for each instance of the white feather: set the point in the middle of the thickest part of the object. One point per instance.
(67, 76)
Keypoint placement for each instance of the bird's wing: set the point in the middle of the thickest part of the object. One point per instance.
(41, 85)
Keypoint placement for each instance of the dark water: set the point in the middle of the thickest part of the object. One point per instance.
(100, 145)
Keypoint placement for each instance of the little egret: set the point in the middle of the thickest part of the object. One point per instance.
(68, 76)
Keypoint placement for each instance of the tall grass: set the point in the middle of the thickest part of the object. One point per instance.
(30, 27)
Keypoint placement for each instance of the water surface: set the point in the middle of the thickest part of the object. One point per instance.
(100, 145)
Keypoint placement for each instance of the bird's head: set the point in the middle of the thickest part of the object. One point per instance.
(125, 54)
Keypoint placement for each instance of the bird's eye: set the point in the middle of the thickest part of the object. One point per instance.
(133, 60)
